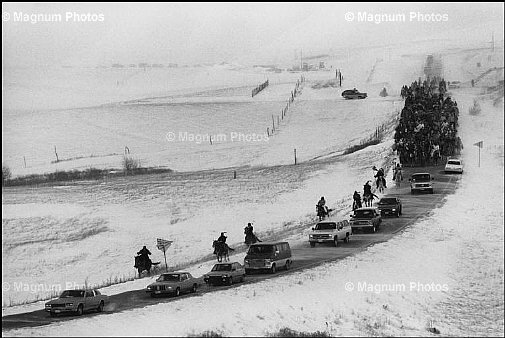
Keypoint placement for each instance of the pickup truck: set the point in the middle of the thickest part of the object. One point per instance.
(330, 232)
(421, 182)
(366, 218)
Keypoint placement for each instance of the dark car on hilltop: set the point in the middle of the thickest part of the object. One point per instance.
(352, 94)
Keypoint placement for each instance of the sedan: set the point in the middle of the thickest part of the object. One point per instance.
(454, 166)
(173, 283)
(225, 273)
(77, 302)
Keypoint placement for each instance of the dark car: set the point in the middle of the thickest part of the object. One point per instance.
(352, 94)
(365, 219)
(268, 256)
(173, 283)
(390, 206)
(77, 301)
(225, 273)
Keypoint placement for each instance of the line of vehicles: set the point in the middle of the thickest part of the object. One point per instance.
(260, 257)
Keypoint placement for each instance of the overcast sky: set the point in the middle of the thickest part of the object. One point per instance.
(196, 33)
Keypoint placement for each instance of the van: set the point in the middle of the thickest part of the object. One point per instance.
(268, 256)
(420, 182)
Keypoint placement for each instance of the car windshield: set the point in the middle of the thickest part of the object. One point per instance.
(168, 278)
(364, 214)
(388, 201)
(222, 267)
(72, 293)
(454, 162)
(326, 226)
(260, 249)
(421, 177)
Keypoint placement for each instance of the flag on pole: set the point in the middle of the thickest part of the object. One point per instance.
(163, 244)
(479, 144)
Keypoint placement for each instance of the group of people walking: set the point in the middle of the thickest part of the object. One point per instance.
(428, 124)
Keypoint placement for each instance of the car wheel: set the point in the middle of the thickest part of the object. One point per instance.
(229, 281)
(288, 264)
(312, 244)
(193, 289)
(248, 271)
(153, 295)
(80, 310)
(177, 292)
(52, 314)
(431, 191)
(100, 307)
(273, 269)
(335, 241)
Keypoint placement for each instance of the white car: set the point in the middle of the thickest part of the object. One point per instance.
(454, 165)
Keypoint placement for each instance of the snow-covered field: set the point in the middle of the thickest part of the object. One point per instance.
(94, 230)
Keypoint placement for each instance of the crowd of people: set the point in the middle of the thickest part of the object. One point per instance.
(428, 124)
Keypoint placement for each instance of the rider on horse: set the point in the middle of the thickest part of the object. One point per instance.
(380, 177)
(356, 200)
(250, 237)
(222, 238)
(144, 254)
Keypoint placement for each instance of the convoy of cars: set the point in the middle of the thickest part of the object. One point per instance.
(261, 256)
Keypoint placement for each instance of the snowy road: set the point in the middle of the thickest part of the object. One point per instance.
(415, 207)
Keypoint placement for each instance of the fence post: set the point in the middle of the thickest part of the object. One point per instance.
(295, 156)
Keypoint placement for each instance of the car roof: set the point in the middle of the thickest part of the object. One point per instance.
(453, 159)
(174, 273)
(421, 174)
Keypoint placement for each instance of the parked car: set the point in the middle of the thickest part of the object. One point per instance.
(367, 218)
(173, 283)
(330, 232)
(454, 165)
(421, 182)
(268, 256)
(225, 273)
(352, 94)
(77, 301)
(390, 206)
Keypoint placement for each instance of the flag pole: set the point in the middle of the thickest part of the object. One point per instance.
(164, 254)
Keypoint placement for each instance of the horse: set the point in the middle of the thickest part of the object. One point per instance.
(144, 263)
(221, 250)
(380, 184)
(322, 212)
(368, 199)
(250, 238)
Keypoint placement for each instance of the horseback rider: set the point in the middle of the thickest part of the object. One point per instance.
(144, 254)
(357, 200)
(367, 189)
(222, 238)
(380, 177)
(250, 237)
(322, 204)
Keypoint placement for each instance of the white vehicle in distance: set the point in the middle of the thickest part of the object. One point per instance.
(454, 165)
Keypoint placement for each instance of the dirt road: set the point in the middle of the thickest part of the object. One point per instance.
(414, 208)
